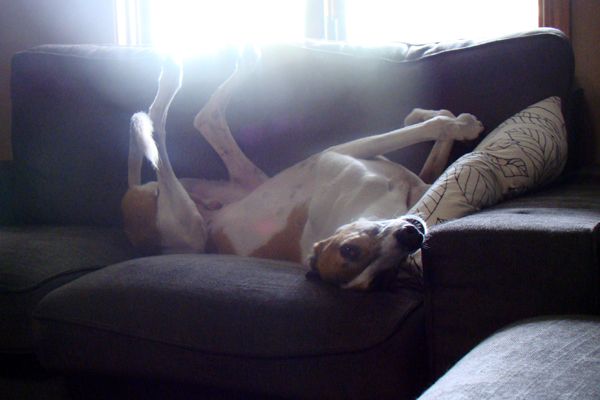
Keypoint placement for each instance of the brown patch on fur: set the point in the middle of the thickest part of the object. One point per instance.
(219, 242)
(285, 245)
(139, 207)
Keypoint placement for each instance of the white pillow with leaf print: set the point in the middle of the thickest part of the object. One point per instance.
(526, 151)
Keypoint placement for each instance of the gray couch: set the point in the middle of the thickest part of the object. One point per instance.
(73, 291)
(552, 357)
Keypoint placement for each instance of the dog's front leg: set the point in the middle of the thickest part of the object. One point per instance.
(440, 127)
(436, 161)
(181, 226)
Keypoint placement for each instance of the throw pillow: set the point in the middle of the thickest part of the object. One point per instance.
(526, 151)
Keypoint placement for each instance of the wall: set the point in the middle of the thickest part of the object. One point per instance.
(585, 36)
(26, 23)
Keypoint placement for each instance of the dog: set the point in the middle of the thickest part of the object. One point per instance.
(341, 212)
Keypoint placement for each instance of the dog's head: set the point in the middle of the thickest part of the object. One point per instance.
(359, 252)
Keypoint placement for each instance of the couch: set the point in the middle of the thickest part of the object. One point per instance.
(78, 296)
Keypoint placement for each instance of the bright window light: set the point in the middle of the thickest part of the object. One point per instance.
(127, 20)
(185, 27)
(426, 21)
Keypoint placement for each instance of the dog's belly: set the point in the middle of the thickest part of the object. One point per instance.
(267, 223)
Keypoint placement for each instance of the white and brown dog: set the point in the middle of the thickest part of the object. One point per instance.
(341, 212)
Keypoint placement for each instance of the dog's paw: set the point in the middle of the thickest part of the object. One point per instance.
(465, 127)
(419, 115)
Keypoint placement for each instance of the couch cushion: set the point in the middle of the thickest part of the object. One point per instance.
(70, 121)
(536, 359)
(7, 183)
(36, 259)
(148, 316)
(534, 255)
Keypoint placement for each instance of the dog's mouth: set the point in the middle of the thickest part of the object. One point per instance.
(382, 272)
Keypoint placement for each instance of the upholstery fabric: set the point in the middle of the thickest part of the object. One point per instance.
(72, 104)
(37, 259)
(7, 183)
(526, 151)
(549, 358)
(71, 111)
(228, 305)
(220, 309)
(534, 255)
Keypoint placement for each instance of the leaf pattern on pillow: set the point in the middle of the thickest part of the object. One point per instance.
(475, 181)
(539, 133)
(510, 167)
(432, 198)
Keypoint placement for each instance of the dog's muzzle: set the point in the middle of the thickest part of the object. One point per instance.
(409, 238)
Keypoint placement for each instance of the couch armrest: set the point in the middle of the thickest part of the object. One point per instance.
(529, 256)
(7, 190)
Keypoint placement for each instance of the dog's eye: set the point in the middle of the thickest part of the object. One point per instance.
(350, 252)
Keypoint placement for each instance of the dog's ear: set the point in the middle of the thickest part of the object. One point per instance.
(418, 223)
(311, 262)
(313, 272)
(313, 275)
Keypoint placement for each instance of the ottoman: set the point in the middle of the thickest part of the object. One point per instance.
(546, 358)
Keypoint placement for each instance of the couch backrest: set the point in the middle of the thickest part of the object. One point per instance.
(71, 107)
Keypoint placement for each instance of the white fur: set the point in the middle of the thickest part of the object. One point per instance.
(142, 129)
(141, 144)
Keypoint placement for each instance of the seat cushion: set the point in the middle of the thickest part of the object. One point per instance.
(537, 359)
(37, 259)
(244, 323)
(533, 255)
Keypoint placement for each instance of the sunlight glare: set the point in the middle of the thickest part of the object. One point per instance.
(185, 27)
(426, 21)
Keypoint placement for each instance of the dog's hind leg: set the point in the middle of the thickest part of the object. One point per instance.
(181, 226)
(141, 144)
(212, 123)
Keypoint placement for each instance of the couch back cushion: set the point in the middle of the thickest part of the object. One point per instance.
(71, 107)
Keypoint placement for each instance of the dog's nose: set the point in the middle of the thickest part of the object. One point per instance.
(409, 237)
